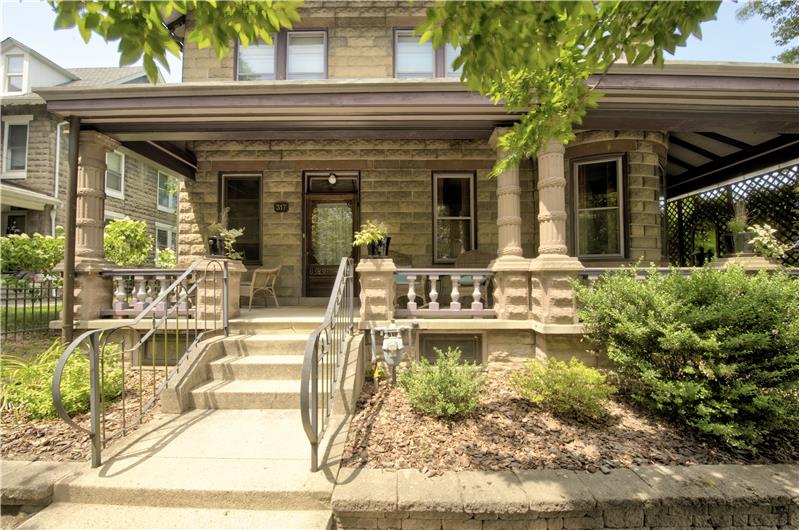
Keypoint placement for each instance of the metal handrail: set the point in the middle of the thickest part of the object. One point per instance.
(98, 340)
(324, 349)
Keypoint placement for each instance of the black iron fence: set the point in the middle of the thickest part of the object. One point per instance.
(28, 304)
(770, 198)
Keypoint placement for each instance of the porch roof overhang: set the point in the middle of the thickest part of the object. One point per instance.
(721, 98)
(17, 197)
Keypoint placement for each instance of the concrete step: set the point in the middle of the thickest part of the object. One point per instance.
(248, 394)
(257, 367)
(264, 326)
(65, 515)
(269, 344)
(210, 459)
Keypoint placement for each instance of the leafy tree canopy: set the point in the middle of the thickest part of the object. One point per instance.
(783, 14)
(538, 57)
(142, 33)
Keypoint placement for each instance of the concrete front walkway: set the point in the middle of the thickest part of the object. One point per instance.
(243, 468)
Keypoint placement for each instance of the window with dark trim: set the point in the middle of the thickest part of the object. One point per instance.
(599, 220)
(413, 59)
(453, 215)
(241, 193)
(291, 55)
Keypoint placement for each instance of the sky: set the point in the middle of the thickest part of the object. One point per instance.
(31, 22)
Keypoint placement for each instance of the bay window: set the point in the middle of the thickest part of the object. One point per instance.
(599, 226)
(453, 215)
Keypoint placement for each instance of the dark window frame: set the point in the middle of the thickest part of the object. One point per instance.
(280, 42)
(571, 190)
(474, 204)
(221, 203)
(439, 57)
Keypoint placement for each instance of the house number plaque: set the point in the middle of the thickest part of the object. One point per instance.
(280, 207)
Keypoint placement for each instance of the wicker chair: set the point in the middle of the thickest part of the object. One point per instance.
(264, 280)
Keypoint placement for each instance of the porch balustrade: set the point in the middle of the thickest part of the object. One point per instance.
(135, 289)
(444, 293)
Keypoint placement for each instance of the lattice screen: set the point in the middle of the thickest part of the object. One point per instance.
(771, 198)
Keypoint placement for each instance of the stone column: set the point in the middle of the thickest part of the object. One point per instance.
(92, 292)
(209, 299)
(510, 268)
(552, 296)
(377, 293)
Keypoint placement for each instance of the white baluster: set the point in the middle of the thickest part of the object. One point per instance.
(151, 289)
(476, 293)
(140, 292)
(412, 293)
(434, 294)
(455, 305)
(162, 281)
(119, 295)
(186, 304)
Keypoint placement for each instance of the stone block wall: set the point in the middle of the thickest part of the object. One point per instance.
(644, 152)
(708, 497)
(396, 188)
(360, 39)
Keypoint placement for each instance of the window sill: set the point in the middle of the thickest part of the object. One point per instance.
(14, 175)
(166, 210)
(115, 194)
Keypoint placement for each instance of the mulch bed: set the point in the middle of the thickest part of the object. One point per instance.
(507, 432)
(54, 440)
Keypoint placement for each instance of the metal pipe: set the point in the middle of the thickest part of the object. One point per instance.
(94, 398)
(68, 307)
(225, 301)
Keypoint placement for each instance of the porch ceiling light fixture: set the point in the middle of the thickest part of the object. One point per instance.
(332, 179)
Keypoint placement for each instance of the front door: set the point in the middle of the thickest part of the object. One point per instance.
(331, 218)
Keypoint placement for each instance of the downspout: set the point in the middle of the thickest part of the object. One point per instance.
(68, 305)
(59, 133)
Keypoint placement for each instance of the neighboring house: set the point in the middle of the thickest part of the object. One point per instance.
(34, 151)
(348, 118)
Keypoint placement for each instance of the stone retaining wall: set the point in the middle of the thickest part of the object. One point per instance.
(649, 497)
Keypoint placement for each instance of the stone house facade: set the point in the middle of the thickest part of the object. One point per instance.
(348, 118)
(33, 197)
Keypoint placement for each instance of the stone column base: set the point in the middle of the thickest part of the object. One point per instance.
(511, 287)
(566, 346)
(208, 304)
(552, 295)
(377, 294)
(92, 292)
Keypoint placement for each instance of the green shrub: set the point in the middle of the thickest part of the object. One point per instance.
(716, 349)
(26, 384)
(565, 388)
(39, 253)
(127, 242)
(166, 259)
(444, 389)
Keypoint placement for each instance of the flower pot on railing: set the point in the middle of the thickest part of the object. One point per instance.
(738, 243)
(379, 249)
(216, 246)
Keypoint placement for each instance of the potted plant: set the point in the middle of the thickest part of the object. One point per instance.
(738, 239)
(705, 243)
(221, 238)
(375, 236)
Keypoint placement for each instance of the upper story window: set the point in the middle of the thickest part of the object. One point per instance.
(599, 208)
(15, 71)
(15, 146)
(450, 55)
(292, 55)
(167, 192)
(413, 59)
(115, 175)
(453, 215)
